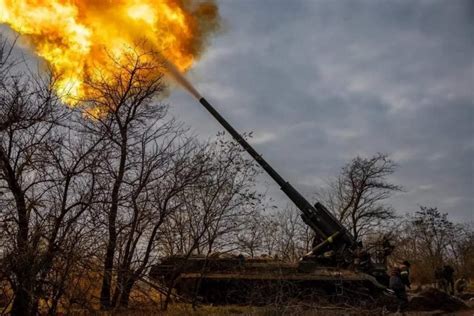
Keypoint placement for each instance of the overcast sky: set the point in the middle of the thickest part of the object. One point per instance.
(320, 82)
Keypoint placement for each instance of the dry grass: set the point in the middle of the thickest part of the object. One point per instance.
(205, 310)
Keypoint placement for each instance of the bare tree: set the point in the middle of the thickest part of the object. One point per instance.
(251, 240)
(46, 184)
(356, 196)
(69, 196)
(214, 209)
(21, 140)
(462, 249)
(155, 197)
(281, 234)
(294, 238)
(217, 206)
(429, 239)
(123, 107)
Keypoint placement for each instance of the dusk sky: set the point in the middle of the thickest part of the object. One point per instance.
(321, 82)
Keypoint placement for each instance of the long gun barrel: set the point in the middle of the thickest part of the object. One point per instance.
(325, 225)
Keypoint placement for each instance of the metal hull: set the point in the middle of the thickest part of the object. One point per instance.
(262, 281)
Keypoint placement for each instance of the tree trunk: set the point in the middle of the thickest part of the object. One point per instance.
(124, 298)
(23, 264)
(108, 268)
(112, 242)
(23, 302)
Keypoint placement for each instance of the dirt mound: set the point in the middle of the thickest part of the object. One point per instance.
(466, 296)
(433, 299)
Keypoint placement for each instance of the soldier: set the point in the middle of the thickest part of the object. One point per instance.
(405, 273)
(448, 273)
(398, 287)
(438, 275)
(460, 285)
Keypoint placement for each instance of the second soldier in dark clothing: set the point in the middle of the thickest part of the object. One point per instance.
(439, 280)
(448, 276)
(398, 287)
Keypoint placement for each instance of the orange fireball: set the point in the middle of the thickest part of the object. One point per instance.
(74, 35)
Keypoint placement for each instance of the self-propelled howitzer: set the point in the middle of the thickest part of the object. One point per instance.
(336, 265)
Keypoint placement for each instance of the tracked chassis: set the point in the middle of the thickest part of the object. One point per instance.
(239, 280)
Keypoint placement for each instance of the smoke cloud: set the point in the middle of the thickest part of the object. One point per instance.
(179, 77)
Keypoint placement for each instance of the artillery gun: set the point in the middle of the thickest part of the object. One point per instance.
(336, 261)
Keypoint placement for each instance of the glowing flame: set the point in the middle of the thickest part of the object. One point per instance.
(73, 36)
